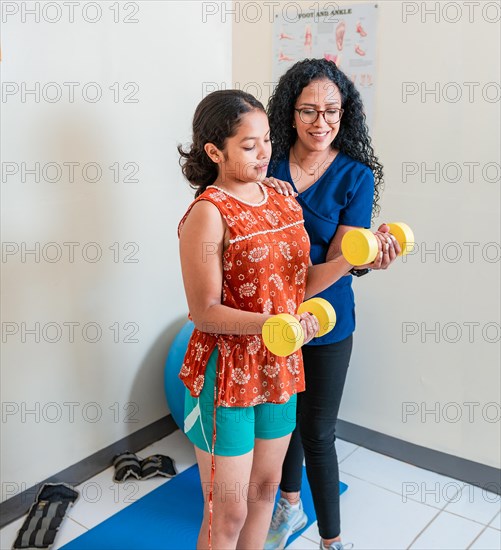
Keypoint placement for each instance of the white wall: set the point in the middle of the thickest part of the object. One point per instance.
(459, 286)
(167, 54)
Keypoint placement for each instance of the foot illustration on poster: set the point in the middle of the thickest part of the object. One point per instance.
(360, 30)
(307, 41)
(283, 57)
(340, 31)
(359, 50)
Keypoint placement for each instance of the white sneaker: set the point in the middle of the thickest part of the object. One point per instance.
(286, 521)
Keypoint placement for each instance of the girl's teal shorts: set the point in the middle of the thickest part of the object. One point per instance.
(236, 427)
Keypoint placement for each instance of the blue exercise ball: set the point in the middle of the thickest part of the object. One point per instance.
(174, 387)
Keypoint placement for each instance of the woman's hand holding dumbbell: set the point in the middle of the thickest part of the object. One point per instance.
(362, 248)
(310, 325)
(388, 249)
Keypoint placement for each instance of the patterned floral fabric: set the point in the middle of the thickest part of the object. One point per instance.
(265, 267)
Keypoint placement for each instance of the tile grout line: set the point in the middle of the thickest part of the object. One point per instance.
(436, 516)
(439, 511)
(306, 538)
(466, 517)
(310, 540)
(81, 524)
(348, 455)
(423, 530)
(492, 526)
(398, 494)
(477, 537)
(489, 524)
(470, 519)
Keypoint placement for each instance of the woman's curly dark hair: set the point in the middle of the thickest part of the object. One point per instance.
(216, 118)
(353, 137)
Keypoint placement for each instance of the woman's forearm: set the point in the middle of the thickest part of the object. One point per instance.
(322, 276)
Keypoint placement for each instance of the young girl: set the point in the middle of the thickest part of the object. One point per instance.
(244, 257)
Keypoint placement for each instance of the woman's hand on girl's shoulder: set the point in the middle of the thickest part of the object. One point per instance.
(280, 186)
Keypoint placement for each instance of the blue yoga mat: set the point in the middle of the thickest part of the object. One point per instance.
(168, 518)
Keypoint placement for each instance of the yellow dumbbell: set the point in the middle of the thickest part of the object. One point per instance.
(360, 246)
(283, 333)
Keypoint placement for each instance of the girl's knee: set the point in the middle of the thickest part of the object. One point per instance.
(229, 517)
(265, 488)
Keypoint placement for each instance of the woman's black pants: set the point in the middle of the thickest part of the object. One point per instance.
(315, 434)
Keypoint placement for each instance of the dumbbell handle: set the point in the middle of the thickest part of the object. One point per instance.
(360, 246)
(283, 333)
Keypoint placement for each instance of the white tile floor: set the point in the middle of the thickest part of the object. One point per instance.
(389, 504)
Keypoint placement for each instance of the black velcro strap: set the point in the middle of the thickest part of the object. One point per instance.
(157, 465)
(126, 464)
(45, 516)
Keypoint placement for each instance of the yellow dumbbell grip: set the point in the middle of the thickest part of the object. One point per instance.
(359, 246)
(283, 334)
(404, 235)
(323, 311)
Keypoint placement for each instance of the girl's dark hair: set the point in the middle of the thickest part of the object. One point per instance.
(353, 137)
(216, 118)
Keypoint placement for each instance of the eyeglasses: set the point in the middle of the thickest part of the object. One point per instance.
(309, 116)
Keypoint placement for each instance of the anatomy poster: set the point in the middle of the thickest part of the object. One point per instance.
(344, 34)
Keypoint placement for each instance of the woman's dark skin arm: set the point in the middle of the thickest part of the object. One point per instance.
(387, 244)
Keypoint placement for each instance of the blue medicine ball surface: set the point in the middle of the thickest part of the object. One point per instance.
(174, 388)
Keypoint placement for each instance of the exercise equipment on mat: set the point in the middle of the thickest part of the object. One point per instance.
(45, 516)
(128, 465)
